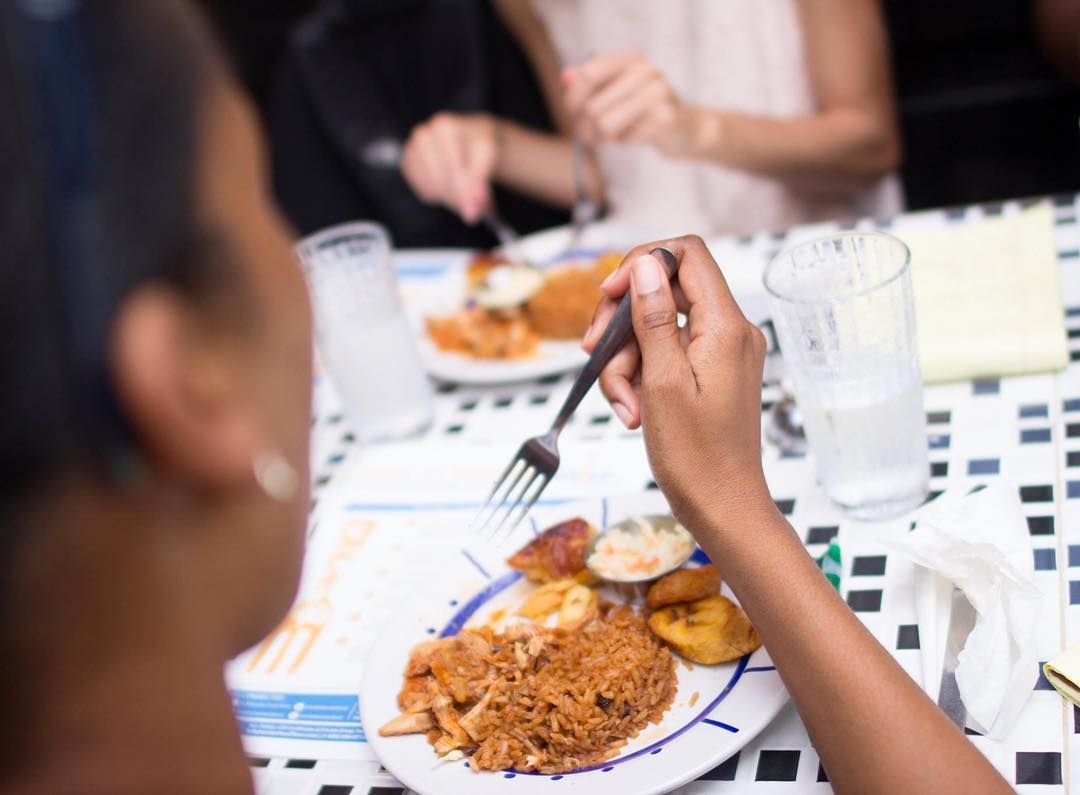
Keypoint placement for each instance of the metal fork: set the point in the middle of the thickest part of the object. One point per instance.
(506, 235)
(537, 461)
(586, 208)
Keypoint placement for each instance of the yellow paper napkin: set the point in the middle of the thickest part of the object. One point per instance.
(988, 296)
(1063, 672)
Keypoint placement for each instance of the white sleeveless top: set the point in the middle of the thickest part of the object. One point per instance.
(738, 55)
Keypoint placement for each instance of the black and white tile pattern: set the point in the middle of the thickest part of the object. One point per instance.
(1025, 430)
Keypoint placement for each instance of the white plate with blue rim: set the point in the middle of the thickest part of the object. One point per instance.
(717, 708)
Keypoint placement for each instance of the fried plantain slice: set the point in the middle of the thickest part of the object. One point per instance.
(684, 585)
(708, 631)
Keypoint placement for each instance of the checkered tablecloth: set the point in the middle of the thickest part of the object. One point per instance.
(1024, 430)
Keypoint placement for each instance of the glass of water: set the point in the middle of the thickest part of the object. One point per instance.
(845, 317)
(364, 338)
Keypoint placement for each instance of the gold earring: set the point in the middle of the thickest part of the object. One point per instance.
(275, 476)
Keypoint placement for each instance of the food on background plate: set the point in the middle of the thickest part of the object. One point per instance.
(563, 307)
(484, 334)
(640, 549)
(538, 699)
(511, 306)
(709, 631)
(556, 553)
(507, 286)
(684, 585)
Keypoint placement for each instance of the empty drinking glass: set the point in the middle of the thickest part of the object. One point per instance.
(363, 335)
(844, 313)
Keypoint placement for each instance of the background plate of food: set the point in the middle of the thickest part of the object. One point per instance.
(499, 321)
(519, 667)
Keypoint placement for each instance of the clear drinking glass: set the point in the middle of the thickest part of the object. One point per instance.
(363, 335)
(844, 313)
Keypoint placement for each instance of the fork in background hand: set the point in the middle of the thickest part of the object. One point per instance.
(537, 460)
(586, 208)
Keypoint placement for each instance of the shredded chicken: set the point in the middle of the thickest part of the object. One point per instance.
(415, 695)
(448, 720)
(408, 723)
(471, 720)
(422, 655)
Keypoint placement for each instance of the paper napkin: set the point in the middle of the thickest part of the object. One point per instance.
(978, 542)
(1063, 672)
(988, 296)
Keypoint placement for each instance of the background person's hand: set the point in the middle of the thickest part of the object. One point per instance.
(450, 159)
(696, 391)
(621, 97)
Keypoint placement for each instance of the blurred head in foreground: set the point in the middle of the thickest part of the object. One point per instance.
(155, 355)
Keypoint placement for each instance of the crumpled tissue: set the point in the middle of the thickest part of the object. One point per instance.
(979, 542)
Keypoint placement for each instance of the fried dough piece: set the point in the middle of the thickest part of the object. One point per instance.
(563, 307)
(408, 723)
(578, 606)
(708, 631)
(556, 553)
(546, 599)
(684, 585)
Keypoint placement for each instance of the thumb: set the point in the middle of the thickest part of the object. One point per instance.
(655, 316)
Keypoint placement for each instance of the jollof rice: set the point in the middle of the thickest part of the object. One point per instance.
(532, 698)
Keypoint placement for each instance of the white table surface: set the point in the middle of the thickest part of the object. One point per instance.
(1029, 425)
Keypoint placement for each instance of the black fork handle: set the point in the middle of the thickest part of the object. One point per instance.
(616, 334)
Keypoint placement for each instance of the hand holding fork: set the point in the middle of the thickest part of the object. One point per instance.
(537, 461)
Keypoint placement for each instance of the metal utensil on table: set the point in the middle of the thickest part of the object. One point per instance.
(537, 460)
(783, 425)
(961, 622)
(586, 209)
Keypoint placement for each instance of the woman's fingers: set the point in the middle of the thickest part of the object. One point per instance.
(421, 168)
(588, 79)
(450, 149)
(449, 159)
(619, 383)
(617, 90)
(638, 109)
(601, 317)
(478, 162)
(656, 327)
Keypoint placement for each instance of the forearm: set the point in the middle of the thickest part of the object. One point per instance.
(874, 729)
(539, 164)
(834, 151)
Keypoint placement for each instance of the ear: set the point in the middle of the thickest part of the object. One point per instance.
(181, 389)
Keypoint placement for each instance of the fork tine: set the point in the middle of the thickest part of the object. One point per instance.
(494, 504)
(524, 510)
(515, 503)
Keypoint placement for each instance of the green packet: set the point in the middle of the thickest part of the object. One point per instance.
(830, 564)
